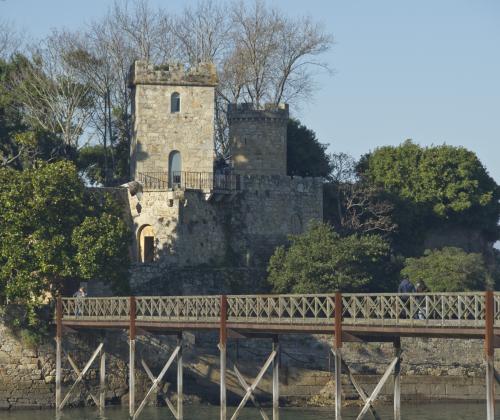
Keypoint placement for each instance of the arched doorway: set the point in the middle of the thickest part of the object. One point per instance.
(174, 169)
(146, 244)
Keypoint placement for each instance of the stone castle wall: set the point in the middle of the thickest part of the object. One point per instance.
(258, 139)
(157, 131)
(239, 229)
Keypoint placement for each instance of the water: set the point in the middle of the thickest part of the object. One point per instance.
(427, 411)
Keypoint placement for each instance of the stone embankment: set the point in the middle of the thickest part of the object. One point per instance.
(432, 368)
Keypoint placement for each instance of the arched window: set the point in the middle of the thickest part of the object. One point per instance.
(174, 169)
(146, 244)
(175, 103)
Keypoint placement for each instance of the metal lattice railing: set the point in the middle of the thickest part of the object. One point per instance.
(179, 308)
(206, 181)
(419, 310)
(290, 309)
(105, 309)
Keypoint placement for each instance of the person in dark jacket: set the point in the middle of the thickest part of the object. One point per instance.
(406, 286)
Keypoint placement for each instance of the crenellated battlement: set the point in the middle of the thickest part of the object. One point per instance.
(248, 111)
(203, 74)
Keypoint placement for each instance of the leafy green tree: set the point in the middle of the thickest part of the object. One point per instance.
(306, 156)
(102, 250)
(432, 186)
(448, 270)
(320, 261)
(45, 213)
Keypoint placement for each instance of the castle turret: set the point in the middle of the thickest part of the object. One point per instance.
(258, 139)
(173, 127)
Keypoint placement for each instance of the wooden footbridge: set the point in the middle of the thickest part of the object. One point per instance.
(347, 317)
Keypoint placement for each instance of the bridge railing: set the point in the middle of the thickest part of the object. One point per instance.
(374, 309)
(102, 309)
(178, 308)
(416, 309)
(290, 309)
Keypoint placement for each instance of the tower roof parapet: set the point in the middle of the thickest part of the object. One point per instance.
(248, 111)
(203, 74)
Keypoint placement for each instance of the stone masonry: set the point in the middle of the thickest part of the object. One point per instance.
(433, 369)
(208, 225)
(157, 131)
(258, 139)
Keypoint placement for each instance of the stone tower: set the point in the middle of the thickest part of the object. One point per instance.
(258, 139)
(173, 121)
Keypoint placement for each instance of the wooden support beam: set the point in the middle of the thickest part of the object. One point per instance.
(357, 386)
(378, 388)
(68, 330)
(245, 387)
(254, 385)
(397, 380)
(489, 353)
(81, 375)
(102, 381)
(222, 349)
(58, 351)
(156, 382)
(77, 371)
(276, 379)
(337, 344)
(131, 362)
(180, 391)
(165, 397)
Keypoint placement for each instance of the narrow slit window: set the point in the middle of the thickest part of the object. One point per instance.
(175, 103)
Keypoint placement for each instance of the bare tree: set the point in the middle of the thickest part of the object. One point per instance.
(360, 207)
(365, 211)
(202, 33)
(261, 56)
(273, 56)
(146, 31)
(11, 39)
(52, 94)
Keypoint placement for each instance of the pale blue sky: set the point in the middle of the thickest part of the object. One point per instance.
(423, 69)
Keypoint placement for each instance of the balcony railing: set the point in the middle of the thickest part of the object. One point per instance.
(207, 181)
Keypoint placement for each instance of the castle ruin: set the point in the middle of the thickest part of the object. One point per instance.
(188, 215)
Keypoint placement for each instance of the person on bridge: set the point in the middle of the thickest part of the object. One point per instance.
(405, 287)
(80, 293)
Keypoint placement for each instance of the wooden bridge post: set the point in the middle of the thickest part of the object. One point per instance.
(337, 344)
(58, 351)
(222, 348)
(180, 391)
(102, 380)
(397, 379)
(276, 379)
(131, 365)
(489, 352)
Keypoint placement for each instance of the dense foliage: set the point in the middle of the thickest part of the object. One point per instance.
(320, 261)
(46, 218)
(448, 270)
(446, 183)
(306, 156)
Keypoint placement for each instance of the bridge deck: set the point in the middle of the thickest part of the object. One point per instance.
(423, 315)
